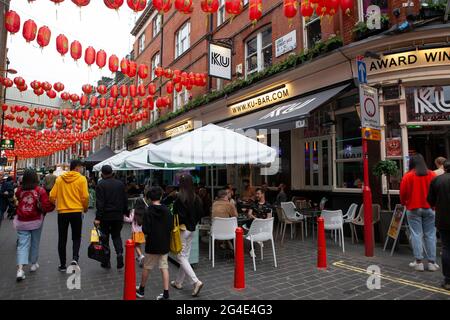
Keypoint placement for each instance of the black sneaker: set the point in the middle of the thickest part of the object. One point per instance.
(106, 265)
(62, 268)
(120, 262)
(161, 297)
(140, 292)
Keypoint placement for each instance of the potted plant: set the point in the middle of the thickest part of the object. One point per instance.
(431, 9)
(387, 168)
(359, 30)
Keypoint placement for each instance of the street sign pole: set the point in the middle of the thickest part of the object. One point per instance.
(367, 201)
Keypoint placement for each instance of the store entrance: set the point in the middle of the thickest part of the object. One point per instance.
(430, 141)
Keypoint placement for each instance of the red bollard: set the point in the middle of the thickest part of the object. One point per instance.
(129, 288)
(239, 273)
(321, 245)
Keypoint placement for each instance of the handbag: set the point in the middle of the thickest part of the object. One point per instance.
(175, 237)
(97, 250)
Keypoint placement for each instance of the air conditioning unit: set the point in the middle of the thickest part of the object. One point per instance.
(239, 69)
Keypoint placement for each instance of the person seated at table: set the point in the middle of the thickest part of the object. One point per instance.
(260, 209)
(230, 190)
(248, 194)
(222, 207)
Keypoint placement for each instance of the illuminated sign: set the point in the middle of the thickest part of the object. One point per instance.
(7, 144)
(408, 60)
(260, 101)
(179, 129)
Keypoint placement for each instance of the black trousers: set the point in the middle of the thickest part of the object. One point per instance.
(75, 220)
(112, 228)
(445, 239)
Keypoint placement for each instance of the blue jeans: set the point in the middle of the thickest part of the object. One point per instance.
(28, 246)
(423, 231)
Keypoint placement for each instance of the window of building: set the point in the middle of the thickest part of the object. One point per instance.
(221, 13)
(156, 60)
(312, 31)
(154, 114)
(317, 162)
(258, 51)
(349, 168)
(180, 99)
(182, 41)
(141, 43)
(156, 25)
(364, 4)
(393, 142)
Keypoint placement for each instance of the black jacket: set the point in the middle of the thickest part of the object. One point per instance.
(157, 226)
(439, 197)
(111, 200)
(189, 215)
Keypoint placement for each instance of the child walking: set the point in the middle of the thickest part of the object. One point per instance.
(157, 227)
(136, 219)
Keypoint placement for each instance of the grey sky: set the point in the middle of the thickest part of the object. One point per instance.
(99, 27)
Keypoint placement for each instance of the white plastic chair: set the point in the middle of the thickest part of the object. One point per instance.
(359, 219)
(222, 229)
(333, 221)
(349, 217)
(261, 230)
(292, 217)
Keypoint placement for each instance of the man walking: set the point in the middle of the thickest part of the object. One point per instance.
(49, 181)
(112, 205)
(70, 193)
(439, 197)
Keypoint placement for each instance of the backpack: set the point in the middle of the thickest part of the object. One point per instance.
(29, 207)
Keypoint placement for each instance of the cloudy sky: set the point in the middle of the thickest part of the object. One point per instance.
(99, 27)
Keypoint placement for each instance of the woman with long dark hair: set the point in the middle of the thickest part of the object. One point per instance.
(421, 217)
(33, 203)
(189, 208)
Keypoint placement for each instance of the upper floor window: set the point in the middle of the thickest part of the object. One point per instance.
(141, 43)
(180, 99)
(221, 13)
(155, 63)
(245, 2)
(312, 31)
(182, 41)
(258, 51)
(156, 25)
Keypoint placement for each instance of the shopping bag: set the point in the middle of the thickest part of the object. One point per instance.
(97, 250)
(175, 237)
(94, 235)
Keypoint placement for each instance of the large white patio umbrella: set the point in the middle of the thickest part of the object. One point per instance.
(112, 160)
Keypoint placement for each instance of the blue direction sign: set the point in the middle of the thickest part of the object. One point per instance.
(362, 71)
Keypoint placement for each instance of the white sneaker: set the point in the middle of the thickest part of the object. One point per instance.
(417, 266)
(34, 267)
(141, 260)
(20, 275)
(433, 267)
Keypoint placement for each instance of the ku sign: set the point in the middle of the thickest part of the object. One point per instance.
(219, 61)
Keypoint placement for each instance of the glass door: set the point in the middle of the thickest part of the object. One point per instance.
(317, 162)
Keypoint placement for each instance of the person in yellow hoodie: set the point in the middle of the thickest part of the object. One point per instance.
(70, 193)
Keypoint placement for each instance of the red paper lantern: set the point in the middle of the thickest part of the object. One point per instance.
(23, 88)
(113, 63)
(133, 91)
(83, 100)
(89, 56)
(321, 10)
(151, 89)
(184, 78)
(114, 91)
(87, 88)
(51, 94)
(346, 6)
(57, 1)
(119, 102)
(290, 8)
(74, 97)
(102, 89)
(176, 76)
(132, 68)
(46, 86)
(111, 102)
(178, 87)
(81, 3)
(113, 4)
(12, 21)
(332, 6)
(123, 90)
(35, 84)
(29, 30)
(255, 10)
(141, 90)
(184, 6)
(159, 71)
(169, 87)
(93, 101)
(209, 6)
(76, 50)
(19, 81)
(168, 73)
(136, 103)
(124, 66)
(43, 36)
(102, 102)
(101, 59)
(306, 9)
(65, 96)
(137, 5)
(143, 71)
(62, 44)
(58, 86)
(38, 91)
(86, 114)
(150, 102)
(233, 7)
(163, 6)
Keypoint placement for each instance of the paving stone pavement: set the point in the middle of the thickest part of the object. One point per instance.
(296, 277)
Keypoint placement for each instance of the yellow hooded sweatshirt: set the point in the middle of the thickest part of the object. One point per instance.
(70, 193)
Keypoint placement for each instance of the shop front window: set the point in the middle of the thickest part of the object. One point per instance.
(317, 162)
(348, 151)
(393, 142)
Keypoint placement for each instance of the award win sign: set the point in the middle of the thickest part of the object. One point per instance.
(219, 61)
